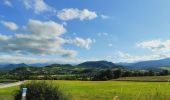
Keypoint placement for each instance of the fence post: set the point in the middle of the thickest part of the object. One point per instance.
(24, 92)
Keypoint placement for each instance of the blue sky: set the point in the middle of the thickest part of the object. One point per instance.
(73, 31)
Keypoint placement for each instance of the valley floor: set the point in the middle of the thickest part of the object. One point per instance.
(106, 90)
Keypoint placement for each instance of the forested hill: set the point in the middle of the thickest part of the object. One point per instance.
(89, 64)
(98, 64)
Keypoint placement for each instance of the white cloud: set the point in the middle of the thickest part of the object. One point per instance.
(158, 50)
(4, 37)
(42, 59)
(39, 38)
(126, 57)
(155, 45)
(34, 59)
(103, 34)
(8, 3)
(85, 43)
(46, 29)
(74, 13)
(110, 45)
(104, 17)
(39, 6)
(10, 25)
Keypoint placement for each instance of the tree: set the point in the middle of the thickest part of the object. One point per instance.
(151, 73)
(164, 72)
(117, 73)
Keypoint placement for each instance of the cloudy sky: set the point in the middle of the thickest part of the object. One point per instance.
(73, 31)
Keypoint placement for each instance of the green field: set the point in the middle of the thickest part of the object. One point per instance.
(107, 90)
(146, 79)
(7, 93)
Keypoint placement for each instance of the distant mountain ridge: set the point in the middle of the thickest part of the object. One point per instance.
(59, 65)
(12, 66)
(149, 64)
(88, 64)
(143, 65)
(98, 64)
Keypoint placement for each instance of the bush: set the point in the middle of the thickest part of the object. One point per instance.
(41, 91)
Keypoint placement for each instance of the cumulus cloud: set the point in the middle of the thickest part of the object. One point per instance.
(104, 17)
(39, 38)
(42, 59)
(126, 57)
(74, 13)
(158, 50)
(46, 29)
(4, 37)
(34, 59)
(39, 6)
(10, 25)
(8, 3)
(155, 45)
(103, 34)
(85, 43)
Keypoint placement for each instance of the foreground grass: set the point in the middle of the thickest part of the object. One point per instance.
(108, 90)
(7, 93)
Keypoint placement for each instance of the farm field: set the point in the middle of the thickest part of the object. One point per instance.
(106, 90)
(146, 79)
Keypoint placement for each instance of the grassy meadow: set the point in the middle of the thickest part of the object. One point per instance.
(7, 93)
(106, 90)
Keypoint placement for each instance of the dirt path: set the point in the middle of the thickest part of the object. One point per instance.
(6, 85)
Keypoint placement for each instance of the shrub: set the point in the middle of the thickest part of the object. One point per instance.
(41, 91)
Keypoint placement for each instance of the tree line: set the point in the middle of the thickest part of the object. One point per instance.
(31, 73)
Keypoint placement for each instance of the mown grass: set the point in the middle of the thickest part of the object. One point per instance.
(109, 90)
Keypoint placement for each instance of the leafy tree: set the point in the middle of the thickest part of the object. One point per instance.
(164, 72)
(151, 73)
(117, 73)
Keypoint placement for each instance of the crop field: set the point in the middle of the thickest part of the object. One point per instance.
(106, 90)
(146, 79)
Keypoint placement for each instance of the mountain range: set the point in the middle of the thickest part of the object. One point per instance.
(12, 66)
(151, 64)
(143, 65)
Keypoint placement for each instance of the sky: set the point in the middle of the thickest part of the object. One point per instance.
(74, 31)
